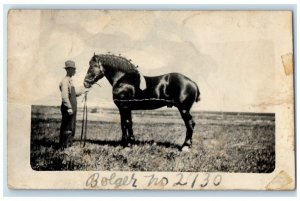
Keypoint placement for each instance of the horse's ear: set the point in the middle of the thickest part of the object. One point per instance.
(94, 54)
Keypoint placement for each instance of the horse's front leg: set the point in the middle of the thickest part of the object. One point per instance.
(129, 126)
(123, 126)
(126, 125)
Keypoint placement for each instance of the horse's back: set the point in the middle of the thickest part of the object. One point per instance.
(173, 86)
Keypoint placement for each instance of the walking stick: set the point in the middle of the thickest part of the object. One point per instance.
(84, 121)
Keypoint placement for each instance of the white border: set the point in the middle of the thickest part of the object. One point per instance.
(159, 4)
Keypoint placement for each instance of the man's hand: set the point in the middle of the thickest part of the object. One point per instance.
(82, 91)
(70, 111)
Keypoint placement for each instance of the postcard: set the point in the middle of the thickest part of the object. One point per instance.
(168, 100)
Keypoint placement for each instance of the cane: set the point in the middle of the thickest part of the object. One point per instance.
(84, 121)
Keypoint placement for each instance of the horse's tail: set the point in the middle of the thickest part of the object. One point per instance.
(198, 94)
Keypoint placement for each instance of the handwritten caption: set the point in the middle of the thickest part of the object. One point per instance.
(192, 180)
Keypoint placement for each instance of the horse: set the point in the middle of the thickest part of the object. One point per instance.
(172, 89)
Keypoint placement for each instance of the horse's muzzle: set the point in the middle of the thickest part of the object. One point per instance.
(87, 84)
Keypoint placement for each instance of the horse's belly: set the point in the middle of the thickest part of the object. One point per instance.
(146, 104)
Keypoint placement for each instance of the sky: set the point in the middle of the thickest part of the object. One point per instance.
(234, 57)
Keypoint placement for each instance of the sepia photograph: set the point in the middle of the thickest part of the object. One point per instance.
(123, 99)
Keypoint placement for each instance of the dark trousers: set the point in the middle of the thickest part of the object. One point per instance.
(67, 128)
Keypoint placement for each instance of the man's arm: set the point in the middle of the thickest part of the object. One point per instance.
(81, 91)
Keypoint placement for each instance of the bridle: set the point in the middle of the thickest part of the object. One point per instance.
(100, 66)
(101, 72)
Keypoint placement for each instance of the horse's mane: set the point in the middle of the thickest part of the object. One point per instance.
(117, 62)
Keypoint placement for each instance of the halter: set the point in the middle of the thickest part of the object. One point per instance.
(100, 66)
(101, 70)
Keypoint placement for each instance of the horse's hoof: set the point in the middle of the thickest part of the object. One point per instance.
(185, 149)
(127, 149)
(124, 143)
(132, 140)
(127, 143)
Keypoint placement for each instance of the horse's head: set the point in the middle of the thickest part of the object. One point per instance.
(94, 73)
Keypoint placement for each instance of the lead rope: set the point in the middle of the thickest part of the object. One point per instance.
(84, 121)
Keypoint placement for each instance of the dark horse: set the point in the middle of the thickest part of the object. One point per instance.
(169, 90)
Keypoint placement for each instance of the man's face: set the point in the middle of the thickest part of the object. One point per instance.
(71, 71)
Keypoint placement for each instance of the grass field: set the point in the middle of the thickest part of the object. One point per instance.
(226, 142)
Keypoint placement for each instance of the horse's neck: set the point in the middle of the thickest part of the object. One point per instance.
(113, 76)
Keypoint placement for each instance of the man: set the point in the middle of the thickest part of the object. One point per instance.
(68, 106)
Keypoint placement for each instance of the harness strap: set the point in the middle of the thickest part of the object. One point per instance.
(145, 99)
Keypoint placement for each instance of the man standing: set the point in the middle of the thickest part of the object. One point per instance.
(68, 106)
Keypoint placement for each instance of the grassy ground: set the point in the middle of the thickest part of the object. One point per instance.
(226, 142)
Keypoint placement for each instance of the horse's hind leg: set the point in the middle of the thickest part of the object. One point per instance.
(189, 124)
